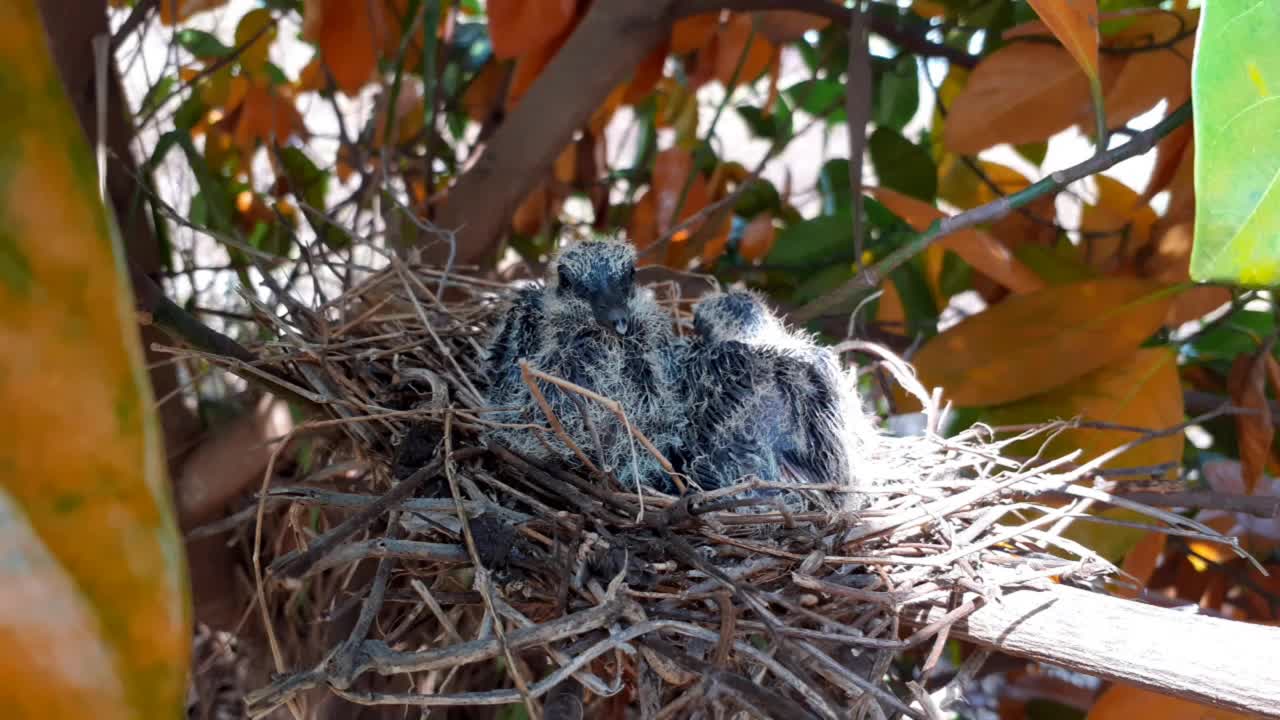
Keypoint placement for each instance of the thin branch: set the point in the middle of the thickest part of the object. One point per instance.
(884, 27)
(871, 277)
(857, 104)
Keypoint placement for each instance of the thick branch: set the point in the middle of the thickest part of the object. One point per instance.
(871, 277)
(602, 52)
(903, 37)
(1224, 663)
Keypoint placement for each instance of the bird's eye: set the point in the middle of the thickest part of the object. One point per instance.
(566, 280)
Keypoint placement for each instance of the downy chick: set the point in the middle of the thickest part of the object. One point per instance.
(764, 401)
(590, 325)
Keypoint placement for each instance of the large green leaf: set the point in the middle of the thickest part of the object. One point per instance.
(1234, 82)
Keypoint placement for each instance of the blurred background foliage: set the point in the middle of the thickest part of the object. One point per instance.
(278, 148)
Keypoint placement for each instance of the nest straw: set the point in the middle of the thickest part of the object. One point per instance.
(501, 581)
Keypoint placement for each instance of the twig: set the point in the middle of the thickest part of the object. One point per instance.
(871, 277)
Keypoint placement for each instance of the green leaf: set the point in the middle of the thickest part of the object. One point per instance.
(775, 126)
(157, 95)
(275, 75)
(1057, 265)
(816, 97)
(189, 112)
(897, 91)
(1033, 152)
(833, 184)
(758, 197)
(902, 165)
(917, 300)
(814, 242)
(1243, 332)
(306, 180)
(213, 189)
(1235, 81)
(202, 44)
(822, 282)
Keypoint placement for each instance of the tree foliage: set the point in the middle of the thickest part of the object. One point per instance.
(475, 133)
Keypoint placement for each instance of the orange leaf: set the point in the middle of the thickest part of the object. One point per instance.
(758, 238)
(1031, 343)
(176, 11)
(1140, 561)
(565, 168)
(1170, 262)
(643, 227)
(1123, 702)
(350, 36)
(94, 608)
(1124, 218)
(1168, 156)
(1022, 93)
(1246, 383)
(311, 76)
(534, 211)
(519, 27)
(1075, 24)
(481, 95)
(976, 247)
(692, 33)
(266, 115)
(783, 26)
(1141, 389)
(738, 42)
(646, 76)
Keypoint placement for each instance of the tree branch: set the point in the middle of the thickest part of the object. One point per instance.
(601, 53)
(1224, 663)
(837, 13)
(871, 277)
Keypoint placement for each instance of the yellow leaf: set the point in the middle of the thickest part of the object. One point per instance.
(1022, 93)
(1031, 343)
(1075, 24)
(255, 33)
(94, 612)
(976, 247)
(1123, 702)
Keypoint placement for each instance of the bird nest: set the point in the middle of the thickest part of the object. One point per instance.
(477, 577)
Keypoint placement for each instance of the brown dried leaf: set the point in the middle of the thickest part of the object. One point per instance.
(1246, 384)
(1022, 93)
(1075, 24)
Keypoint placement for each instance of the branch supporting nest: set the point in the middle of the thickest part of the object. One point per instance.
(500, 581)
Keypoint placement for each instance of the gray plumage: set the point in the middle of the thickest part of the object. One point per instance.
(590, 325)
(763, 401)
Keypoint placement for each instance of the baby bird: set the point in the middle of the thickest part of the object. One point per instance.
(589, 325)
(763, 401)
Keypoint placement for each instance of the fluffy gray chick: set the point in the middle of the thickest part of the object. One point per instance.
(592, 326)
(763, 401)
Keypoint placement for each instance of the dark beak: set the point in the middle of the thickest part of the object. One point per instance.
(614, 317)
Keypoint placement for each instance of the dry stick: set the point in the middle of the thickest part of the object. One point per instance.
(297, 563)
(613, 407)
(1224, 663)
(482, 573)
(554, 419)
(871, 277)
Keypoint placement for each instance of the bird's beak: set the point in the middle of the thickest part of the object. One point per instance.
(614, 317)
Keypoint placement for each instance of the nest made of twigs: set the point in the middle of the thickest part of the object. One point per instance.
(495, 580)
